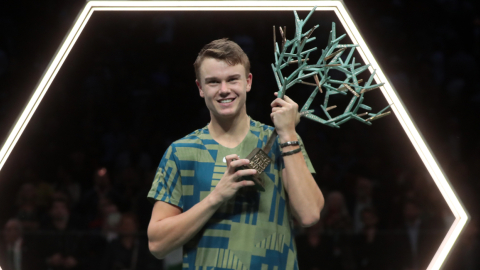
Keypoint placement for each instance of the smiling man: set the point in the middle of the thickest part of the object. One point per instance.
(201, 198)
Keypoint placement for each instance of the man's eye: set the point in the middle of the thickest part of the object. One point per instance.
(212, 82)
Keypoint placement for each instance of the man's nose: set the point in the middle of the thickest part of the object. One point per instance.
(224, 87)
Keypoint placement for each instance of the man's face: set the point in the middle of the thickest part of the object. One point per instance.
(223, 87)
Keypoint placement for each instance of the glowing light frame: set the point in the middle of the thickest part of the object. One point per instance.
(340, 10)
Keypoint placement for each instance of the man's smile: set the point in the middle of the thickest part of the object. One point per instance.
(226, 100)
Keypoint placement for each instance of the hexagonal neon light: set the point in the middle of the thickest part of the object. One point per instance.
(337, 6)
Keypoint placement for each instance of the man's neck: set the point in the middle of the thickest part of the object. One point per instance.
(229, 132)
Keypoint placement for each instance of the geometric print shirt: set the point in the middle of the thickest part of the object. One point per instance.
(253, 229)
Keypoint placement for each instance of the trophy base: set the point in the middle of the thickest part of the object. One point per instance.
(259, 160)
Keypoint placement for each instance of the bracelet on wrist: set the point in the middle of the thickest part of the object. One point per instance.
(291, 152)
(282, 145)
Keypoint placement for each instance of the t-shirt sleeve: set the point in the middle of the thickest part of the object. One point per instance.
(167, 184)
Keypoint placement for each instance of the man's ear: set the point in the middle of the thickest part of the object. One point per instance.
(200, 88)
(249, 81)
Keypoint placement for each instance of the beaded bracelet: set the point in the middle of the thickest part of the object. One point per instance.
(282, 145)
(291, 152)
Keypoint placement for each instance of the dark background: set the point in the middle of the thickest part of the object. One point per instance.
(127, 91)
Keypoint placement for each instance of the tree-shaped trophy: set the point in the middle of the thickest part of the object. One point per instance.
(292, 52)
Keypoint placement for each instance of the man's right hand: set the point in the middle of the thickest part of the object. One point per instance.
(230, 182)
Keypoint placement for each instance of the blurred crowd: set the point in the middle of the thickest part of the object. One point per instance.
(58, 227)
(80, 173)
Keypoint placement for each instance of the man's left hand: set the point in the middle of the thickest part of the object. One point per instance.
(285, 116)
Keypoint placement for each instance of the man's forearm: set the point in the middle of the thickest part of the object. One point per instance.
(173, 232)
(170, 229)
(306, 199)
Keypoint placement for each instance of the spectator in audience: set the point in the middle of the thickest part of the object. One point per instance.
(335, 216)
(16, 251)
(363, 198)
(314, 249)
(90, 207)
(128, 184)
(44, 194)
(29, 216)
(338, 225)
(62, 244)
(109, 219)
(66, 184)
(129, 250)
(26, 195)
(415, 242)
(370, 245)
(27, 209)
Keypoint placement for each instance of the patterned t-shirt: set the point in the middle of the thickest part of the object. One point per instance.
(252, 230)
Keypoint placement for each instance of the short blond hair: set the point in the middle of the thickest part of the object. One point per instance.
(225, 50)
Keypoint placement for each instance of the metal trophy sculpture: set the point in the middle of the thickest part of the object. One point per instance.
(292, 53)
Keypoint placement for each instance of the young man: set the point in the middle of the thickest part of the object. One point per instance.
(201, 201)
